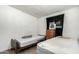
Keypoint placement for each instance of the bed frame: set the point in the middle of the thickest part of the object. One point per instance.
(15, 45)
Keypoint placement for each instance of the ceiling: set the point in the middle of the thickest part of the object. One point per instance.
(42, 10)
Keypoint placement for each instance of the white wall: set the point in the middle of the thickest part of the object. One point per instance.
(71, 23)
(13, 24)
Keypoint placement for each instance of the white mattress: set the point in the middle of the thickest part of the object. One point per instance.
(28, 41)
(60, 45)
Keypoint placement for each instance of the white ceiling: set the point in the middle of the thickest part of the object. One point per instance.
(42, 10)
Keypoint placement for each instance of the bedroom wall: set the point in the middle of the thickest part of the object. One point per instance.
(14, 24)
(71, 23)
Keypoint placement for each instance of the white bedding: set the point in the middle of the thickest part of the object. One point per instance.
(60, 45)
(28, 41)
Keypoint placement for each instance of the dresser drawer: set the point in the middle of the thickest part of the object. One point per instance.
(50, 33)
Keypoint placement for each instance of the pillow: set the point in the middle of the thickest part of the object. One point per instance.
(28, 36)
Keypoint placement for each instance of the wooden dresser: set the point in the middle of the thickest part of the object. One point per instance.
(50, 33)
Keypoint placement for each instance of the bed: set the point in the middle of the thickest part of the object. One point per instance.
(58, 45)
(22, 43)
